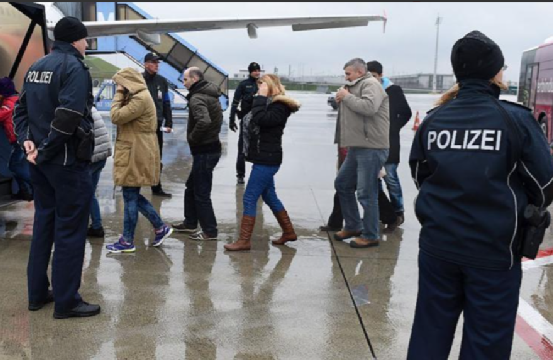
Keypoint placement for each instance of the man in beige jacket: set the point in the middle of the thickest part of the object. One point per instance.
(363, 127)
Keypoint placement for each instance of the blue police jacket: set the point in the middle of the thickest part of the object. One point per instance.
(54, 109)
(478, 162)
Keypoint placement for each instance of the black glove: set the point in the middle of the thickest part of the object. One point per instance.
(232, 125)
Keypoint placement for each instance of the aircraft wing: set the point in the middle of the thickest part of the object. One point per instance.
(156, 26)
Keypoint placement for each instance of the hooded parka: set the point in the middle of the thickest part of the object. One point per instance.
(136, 160)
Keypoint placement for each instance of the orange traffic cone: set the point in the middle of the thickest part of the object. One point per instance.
(417, 122)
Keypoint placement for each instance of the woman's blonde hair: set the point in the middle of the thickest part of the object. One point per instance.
(274, 84)
(452, 93)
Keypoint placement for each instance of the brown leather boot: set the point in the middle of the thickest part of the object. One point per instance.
(288, 233)
(246, 229)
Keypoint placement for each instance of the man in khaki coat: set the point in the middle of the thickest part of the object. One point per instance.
(363, 127)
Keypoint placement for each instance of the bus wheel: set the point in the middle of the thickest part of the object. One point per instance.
(543, 125)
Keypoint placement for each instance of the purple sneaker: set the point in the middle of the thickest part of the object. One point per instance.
(121, 246)
(162, 234)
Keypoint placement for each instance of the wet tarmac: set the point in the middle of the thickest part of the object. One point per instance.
(192, 300)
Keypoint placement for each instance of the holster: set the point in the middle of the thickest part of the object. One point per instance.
(536, 222)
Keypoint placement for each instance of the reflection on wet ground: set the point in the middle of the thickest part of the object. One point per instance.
(191, 300)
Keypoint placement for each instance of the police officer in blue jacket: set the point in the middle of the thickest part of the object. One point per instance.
(54, 125)
(477, 162)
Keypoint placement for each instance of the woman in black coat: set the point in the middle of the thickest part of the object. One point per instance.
(263, 130)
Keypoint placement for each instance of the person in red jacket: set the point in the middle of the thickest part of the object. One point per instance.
(18, 164)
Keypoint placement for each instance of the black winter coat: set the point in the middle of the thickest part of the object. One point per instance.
(265, 146)
(400, 113)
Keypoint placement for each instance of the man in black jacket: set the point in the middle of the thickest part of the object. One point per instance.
(54, 125)
(159, 89)
(243, 96)
(400, 113)
(204, 124)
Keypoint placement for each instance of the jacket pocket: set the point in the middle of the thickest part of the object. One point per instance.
(122, 154)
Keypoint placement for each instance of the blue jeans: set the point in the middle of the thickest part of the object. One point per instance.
(197, 195)
(261, 183)
(19, 166)
(95, 171)
(360, 172)
(394, 187)
(134, 202)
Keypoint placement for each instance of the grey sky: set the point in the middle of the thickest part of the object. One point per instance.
(406, 47)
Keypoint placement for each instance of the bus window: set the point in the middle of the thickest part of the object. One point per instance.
(532, 85)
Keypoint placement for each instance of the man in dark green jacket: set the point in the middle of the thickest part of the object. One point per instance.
(204, 125)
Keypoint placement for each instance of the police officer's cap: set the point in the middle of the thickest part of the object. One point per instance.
(70, 29)
(151, 57)
(476, 56)
(253, 66)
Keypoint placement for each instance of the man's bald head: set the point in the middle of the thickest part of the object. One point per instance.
(191, 76)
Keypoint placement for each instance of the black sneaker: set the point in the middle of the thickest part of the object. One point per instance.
(181, 227)
(329, 228)
(99, 233)
(240, 180)
(84, 309)
(161, 193)
(40, 305)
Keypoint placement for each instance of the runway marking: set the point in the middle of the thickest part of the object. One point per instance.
(531, 326)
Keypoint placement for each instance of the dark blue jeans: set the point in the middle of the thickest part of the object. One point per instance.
(134, 202)
(394, 187)
(359, 172)
(197, 196)
(62, 204)
(488, 300)
(95, 171)
(19, 166)
(261, 183)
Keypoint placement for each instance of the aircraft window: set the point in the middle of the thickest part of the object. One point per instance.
(13, 28)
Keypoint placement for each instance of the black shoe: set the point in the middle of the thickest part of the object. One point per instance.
(393, 226)
(329, 228)
(99, 233)
(40, 305)
(181, 227)
(84, 309)
(240, 180)
(22, 196)
(161, 193)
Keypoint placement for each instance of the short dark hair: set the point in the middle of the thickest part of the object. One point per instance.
(197, 74)
(374, 66)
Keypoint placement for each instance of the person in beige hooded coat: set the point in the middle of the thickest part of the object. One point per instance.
(136, 160)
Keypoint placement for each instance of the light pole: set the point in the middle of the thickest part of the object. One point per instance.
(435, 78)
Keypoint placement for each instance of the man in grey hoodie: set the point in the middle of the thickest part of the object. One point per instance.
(363, 127)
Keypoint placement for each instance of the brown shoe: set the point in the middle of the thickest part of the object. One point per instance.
(246, 230)
(360, 243)
(344, 234)
(288, 233)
